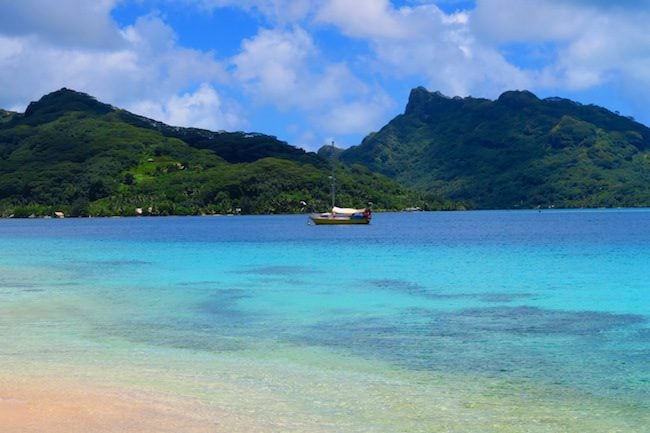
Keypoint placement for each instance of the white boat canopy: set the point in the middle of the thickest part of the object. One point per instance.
(346, 210)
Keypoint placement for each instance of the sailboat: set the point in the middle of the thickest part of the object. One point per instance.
(341, 215)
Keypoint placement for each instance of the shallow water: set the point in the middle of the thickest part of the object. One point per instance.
(491, 321)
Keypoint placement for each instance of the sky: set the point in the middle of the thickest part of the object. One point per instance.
(315, 71)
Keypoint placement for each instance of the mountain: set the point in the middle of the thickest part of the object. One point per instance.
(517, 151)
(70, 152)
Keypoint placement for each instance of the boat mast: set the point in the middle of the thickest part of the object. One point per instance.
(333, 186)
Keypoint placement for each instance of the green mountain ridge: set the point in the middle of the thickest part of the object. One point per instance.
(69, 152)
(518, 151)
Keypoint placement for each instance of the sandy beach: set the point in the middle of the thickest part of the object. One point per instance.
(58, 406)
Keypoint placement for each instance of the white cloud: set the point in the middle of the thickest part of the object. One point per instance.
(363, 18)
(9, 48)
(286, 69)
(614, 46)
(148, 66)
(74, 23)
(306, 139)
(201, 109)
(424, 43)
(503, 21)
(290, 66)
(357, 115)
(380, 20)
(587, 44)
(162, 67)
(595, 43)
(274, 65)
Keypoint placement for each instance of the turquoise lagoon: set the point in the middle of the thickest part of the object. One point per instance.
(519, 321)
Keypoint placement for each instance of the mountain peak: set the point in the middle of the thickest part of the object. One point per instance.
(421, 97)
(56, 103)
(517, 151)
(518, 98)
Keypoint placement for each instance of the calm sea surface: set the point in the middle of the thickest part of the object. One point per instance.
(461, 321)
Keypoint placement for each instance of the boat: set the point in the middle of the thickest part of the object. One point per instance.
(341, 215)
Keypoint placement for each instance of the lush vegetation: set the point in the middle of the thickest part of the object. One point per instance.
(517, 151)
(71, 153)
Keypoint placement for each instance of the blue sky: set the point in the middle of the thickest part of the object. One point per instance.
(312, 71)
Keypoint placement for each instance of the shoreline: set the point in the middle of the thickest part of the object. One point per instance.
(296, 391)
(380, 211)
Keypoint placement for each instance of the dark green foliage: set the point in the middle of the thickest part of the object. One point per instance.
(73, 154)
(53, 105)
(329, 151)
(234, 147)
(6, 116)
(518, 151)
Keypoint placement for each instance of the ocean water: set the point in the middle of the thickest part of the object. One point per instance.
(504, 321)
